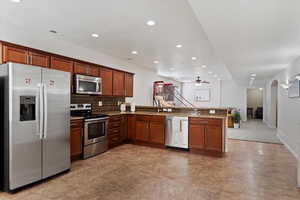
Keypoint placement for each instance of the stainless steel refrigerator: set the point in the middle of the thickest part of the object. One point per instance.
(35, 123)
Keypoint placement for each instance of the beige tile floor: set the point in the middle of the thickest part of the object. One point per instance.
(250, 171)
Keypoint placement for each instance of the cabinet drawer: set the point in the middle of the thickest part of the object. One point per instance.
(143, 117)
(115, 118)
(76, 123)
(115, 131)
(114, 139)
(114, 124)
(158, 119)
(196, 120)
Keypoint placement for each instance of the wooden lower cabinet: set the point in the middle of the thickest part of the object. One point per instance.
(197, 136)
(206, 135)
(157, 132)
(142, 131)
(131, 124)
(150, 129)
(115, 131)
(76, 137)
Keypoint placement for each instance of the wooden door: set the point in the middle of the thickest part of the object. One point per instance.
(142, 131)
(15, 54)
(107, 81)
(76, 137)
(131, 127)
(61, 64)
(118, 83)
(157, 132)
(213, 138)
(128, 85)
(39, 59)
(197, 136)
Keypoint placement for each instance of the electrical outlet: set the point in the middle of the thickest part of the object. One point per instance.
(100, 103)
(212, 111)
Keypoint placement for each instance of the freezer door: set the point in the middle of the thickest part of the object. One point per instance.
(56, 139)
(24, 125)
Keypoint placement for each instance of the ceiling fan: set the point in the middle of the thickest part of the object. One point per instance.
(199, 82)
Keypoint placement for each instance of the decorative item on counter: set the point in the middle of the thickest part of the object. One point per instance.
(132, 107)
(123, 107)
(236, 119)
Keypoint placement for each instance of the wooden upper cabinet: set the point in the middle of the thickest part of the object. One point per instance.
(61, 64)
(197, 136)
(107, 81)
(128, 85)
(39, 59)
(85, 69)
(118, 83)
(213, 138)
(157, 132)
(14, 54)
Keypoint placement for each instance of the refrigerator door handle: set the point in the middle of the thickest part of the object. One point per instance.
(45, 111)
(41, 111)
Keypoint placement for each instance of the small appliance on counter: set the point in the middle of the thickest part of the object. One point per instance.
(123, 107)
(95, 129)
(132, 107)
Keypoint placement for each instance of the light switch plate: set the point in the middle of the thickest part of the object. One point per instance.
(100, 103)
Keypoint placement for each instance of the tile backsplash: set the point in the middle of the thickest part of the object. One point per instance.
(108, 103)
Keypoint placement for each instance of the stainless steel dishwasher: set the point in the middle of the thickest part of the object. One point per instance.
(177, 132)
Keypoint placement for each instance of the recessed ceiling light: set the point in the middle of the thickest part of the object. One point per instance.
(203, 66)
(210, 72)
(16, 1)
(151, 23)
(172, 68)
(95, 35)
(134, 52)
(252, 78)
(216, 75)
(253, 75)
(261, 89)
(194, 58)
(155, 62)
(178, 45)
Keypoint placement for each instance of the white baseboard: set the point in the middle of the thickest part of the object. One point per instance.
(282, 137)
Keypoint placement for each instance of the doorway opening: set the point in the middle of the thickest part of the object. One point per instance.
(274, 104)
(255, 103)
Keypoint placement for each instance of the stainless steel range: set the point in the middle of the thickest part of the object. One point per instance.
(95, 129)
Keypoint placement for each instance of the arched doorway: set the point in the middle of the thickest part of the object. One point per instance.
(274, 104)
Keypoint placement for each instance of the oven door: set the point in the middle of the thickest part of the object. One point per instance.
(95, 130)
(88, 85)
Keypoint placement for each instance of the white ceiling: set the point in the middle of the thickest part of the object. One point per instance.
(257, 36)
(232, 37)
(122, 28)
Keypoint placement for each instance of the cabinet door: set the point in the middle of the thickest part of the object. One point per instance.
(61, 64)
(107, 81)
(76, 141)
(157, 132)
(124, 133)
(14, 54)
(93, 71)
(142, 131)
(213, 138)
(197, 136)
(118, 83)
(39, 59)
(131, 127)
(85, 69)
(128, 85)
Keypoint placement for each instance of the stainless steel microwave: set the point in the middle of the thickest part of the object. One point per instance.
(88, 84)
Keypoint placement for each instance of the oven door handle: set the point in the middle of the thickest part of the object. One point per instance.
(97, 119)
